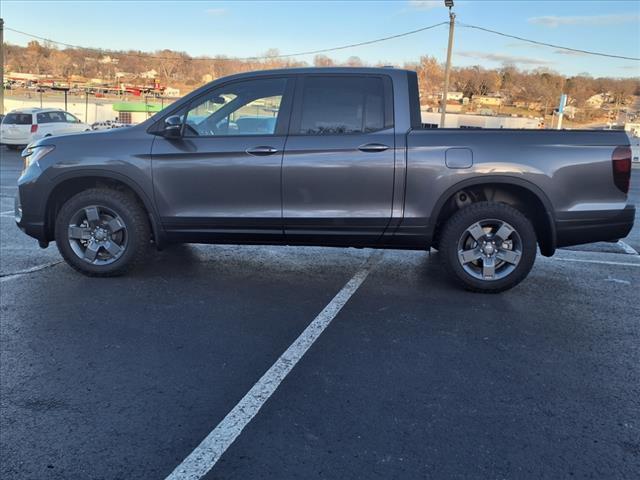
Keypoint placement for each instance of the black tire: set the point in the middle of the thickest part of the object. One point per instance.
(133, 227)
(519, 247)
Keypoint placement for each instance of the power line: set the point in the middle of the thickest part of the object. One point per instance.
(323, 50)
(536, 42)
(208, 59)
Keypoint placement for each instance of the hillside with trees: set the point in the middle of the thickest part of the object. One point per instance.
(535, 90)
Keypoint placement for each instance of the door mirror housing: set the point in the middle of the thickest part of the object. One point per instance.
(172, 126)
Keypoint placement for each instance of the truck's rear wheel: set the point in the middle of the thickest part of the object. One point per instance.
(102, 232)
(488, 247)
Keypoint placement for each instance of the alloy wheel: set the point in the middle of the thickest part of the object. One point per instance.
(490, 249)
(97, 235)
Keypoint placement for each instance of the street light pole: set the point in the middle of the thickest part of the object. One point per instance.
(447, 71)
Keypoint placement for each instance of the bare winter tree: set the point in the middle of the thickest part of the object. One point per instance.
(322, 61)
(541, 86)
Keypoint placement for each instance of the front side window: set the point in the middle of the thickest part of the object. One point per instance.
(342, 105)
(243, 108)
(57, 117)
(70, 118)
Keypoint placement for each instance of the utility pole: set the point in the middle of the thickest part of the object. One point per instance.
(2, 66)
(561, 106)
(447, 71)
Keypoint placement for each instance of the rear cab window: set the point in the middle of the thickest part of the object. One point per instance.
(342, 105)
(17, 119)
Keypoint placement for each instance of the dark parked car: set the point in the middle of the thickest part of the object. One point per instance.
(331, 157)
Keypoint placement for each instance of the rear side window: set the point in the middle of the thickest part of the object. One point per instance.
(17, 119)
(342, 105)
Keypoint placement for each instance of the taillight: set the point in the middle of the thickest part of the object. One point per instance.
(34, 128)
(621, 163)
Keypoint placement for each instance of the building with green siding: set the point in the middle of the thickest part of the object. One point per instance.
(135, 112)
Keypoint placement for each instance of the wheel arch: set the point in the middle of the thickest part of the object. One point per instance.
(523, 191)
(66, 186)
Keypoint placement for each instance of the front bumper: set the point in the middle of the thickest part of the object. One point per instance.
(576, 228)
(29, 205)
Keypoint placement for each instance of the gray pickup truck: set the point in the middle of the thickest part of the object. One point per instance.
(329, 157)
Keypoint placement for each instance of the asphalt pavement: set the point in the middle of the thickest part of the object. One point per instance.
(412, 378)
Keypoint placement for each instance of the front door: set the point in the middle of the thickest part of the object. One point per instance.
(221, 180)
(338, 167)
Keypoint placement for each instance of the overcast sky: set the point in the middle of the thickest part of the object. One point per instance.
(247, 28)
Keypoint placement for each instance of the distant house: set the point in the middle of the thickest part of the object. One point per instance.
(457, 96)
(488, 100)
(150, 74)
(595, 101)
(107, 59)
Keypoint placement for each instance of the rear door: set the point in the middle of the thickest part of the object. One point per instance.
(221, 180)
(45, 124)
(338, 167)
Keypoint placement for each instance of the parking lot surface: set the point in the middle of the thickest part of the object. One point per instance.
(413, 378)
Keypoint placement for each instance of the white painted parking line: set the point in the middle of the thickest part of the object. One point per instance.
(13, 275)
(601, 262)
(7, 213)
(627, 248)
(207, 454)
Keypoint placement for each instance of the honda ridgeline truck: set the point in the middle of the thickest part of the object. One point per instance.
(326, 157)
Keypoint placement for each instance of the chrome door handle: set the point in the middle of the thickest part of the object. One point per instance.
(262, 150)
(373, 147)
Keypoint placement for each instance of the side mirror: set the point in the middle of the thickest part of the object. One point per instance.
(172, 126)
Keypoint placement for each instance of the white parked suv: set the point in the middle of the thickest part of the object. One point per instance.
(23, 126)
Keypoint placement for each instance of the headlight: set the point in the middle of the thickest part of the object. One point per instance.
(32, 155)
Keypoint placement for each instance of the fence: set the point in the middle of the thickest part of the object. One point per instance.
(87, 108)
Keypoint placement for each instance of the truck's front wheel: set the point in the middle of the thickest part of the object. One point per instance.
(102, 232)
(488, 247)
